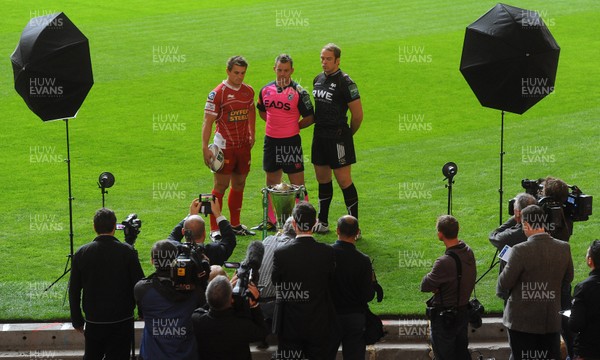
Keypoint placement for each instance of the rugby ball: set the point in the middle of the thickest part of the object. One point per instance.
(218, 158)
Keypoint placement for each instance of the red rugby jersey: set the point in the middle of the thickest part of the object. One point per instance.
(232, 108)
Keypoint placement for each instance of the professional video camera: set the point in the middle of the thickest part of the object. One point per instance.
(131, 228)
(577, 207)
(191, 268)
(247, 270)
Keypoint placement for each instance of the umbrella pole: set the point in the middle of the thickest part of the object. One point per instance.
(67, 267)
(68, 161)
(501, 190)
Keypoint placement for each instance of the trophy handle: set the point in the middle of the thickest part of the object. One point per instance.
(265, 204)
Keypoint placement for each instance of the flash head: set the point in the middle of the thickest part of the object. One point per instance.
(449, 170)
(106, 180)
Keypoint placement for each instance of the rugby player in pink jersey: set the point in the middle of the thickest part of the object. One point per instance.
(231, 106)
(282, 103)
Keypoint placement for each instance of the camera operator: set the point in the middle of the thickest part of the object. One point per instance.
(168, 332)
(106, 270)
(554, 194)
(220, 332)
(511, 232)
(448, 306)
(217, 252)
(557, 191)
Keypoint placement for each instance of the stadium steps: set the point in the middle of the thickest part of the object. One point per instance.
(405, 339)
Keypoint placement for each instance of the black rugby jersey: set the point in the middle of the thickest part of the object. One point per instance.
(332, 93)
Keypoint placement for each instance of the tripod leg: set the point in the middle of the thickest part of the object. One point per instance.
(65, 272)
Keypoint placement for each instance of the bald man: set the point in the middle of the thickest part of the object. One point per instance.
(217, 252)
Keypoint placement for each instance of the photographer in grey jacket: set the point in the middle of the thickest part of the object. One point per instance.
(448, 305)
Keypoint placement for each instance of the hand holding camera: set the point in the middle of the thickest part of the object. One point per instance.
(207, 205)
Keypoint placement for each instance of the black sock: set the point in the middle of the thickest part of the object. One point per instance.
(325, 195)
(351, 200)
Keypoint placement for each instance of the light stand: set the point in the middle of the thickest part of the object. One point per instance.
(68, 161)
(495, 260)
(449, 170)
(105, 181)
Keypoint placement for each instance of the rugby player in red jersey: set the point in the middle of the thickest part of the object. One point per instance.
(231, 106)
(281, 103)
(333, 146)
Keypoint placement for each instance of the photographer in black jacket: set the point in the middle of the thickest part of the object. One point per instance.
(106, 270)
(217, 252)
(223, 333)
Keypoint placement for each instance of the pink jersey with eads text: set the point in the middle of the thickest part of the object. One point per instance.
(283, 106)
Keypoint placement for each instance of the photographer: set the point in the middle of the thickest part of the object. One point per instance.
(217, 252)
(106, 270)
(448, 306)
(220, 332)
(511, 232)
(168, 332)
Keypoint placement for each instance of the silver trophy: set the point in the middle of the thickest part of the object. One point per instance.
(283, 198)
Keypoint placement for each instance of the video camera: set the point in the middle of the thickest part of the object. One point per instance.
(247, 270)
(131, 228)
(190, 269)
(577, 207)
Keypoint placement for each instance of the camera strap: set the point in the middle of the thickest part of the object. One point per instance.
(453, 255)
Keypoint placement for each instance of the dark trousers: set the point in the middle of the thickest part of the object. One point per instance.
(108, 341)
(451, 342)
(565, 303)
(534, 346)
(351, 334)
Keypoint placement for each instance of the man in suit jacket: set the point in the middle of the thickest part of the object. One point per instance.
(303, 276)
(533, 276)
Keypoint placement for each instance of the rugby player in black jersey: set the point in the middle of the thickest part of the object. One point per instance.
(333, 147)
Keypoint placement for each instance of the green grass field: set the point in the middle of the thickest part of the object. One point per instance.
(142, 122)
